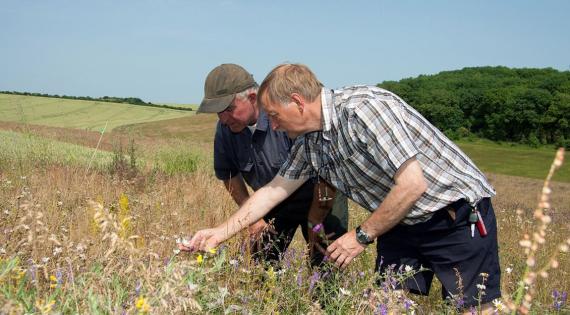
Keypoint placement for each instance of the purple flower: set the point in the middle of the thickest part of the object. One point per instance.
(59, 277)
(313, 280)
(407, 304)
(317, 228)
(299, 278)
(559, 299)
(381, 309)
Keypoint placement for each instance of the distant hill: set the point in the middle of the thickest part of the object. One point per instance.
(80, 114)
(110, 99)
(529, 106)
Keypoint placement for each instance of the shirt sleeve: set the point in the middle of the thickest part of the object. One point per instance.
(296, 166)
(381, 126)
(224, 166)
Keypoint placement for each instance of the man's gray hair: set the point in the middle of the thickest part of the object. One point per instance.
(243, 94)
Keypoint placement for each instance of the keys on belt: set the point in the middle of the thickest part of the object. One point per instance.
(475, 220)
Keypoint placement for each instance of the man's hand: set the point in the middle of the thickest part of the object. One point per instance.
(203, 240)
(344, 249)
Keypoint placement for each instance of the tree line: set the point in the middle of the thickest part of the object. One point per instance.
(530, 106)
(110, 99)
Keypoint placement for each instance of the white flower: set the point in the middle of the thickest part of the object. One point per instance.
(343, 291)
(233, 262)
(408, 268)
(45, 260)
(2, 251)
(499, 306)
(481, 287)
(176, 251)
(60, 203)
(57, 251)
(509, 270)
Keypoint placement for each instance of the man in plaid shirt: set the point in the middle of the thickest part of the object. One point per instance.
(424, 194)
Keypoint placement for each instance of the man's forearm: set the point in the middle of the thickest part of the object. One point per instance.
(258, 205)
(410, 185)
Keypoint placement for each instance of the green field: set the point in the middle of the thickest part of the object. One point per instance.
(90, 115)
(516, 160)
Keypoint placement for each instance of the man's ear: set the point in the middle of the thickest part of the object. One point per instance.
(252, 97)
(299, 101)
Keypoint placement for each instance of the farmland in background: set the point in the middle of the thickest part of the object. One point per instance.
(79, 114)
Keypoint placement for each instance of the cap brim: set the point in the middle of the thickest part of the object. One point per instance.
(215, 105)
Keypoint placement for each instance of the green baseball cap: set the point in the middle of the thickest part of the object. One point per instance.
(222, 84)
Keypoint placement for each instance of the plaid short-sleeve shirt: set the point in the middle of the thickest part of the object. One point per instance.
(368, 133)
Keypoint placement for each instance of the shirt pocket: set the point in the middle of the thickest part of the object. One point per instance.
(359, 172)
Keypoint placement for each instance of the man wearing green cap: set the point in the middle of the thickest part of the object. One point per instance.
(248, 150)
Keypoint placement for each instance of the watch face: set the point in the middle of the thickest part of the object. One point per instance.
(362, 237)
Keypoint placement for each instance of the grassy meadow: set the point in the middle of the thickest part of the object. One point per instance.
(96, 233)
(78, 114)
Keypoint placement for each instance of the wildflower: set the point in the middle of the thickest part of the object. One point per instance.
(499, 306)
(142, 305)
(45, 308)
(509, 270)
(481, 287)
(199, 259)
(344, 291)
(317, 228)
(212, 251)
(299, 278)
(409, 304)
(19, 273)
(45, 260)
(408, 268)
(382, 309)
(57, 251)
(559, 299)
(53, 282)
(2, 251)
(176, 251)
(234, 263)
(314, 279)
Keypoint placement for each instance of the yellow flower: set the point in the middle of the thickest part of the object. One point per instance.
(52, 281)
(18, 273)
(142, 305)
(213, 250)
(200, 258)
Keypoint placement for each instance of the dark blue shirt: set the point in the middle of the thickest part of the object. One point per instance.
(258, 158)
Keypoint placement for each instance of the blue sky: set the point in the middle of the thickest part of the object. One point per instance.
(161, 51)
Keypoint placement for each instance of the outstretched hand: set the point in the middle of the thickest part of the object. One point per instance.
(345, 249)
(203, 240)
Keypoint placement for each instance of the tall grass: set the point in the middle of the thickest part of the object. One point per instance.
(73, 241)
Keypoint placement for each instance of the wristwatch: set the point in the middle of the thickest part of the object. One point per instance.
(362, 237)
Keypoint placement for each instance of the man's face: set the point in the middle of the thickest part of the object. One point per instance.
(240, 113)
(284, 117)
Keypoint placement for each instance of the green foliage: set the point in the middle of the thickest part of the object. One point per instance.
(178, 161)
(29, 151)
(530, 106)
(124, 165)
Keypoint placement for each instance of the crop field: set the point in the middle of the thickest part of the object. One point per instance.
(94, 231)
(90, 115)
